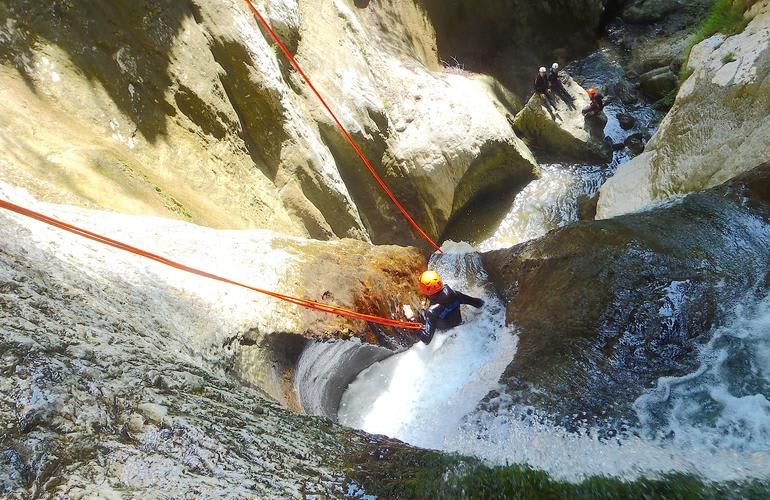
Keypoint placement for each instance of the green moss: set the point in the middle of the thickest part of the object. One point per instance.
(726, 16)
(667, 101)
(685, 73)
(728, 58)
(420, 474)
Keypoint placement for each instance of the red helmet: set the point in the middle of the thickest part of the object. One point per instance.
(592, 91)
(431, 283)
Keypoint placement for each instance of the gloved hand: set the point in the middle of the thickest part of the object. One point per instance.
(478, 303)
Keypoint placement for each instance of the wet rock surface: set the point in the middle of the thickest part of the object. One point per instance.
(626, 121)
(718, 127)
(120, 377)
(261, 337)
(606, 308)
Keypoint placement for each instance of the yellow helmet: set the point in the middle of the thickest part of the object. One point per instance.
(431, 283)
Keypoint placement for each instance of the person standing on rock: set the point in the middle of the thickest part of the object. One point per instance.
(596, 120)
(444, 310)
(543, 90)
(558, 87)
(596, 107)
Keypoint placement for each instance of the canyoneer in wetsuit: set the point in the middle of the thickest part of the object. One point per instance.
(557, 86)
(444, 310)
(595, 108)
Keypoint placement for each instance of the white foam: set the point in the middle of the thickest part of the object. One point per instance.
(429, 396)
(422, 395)
(545, 204)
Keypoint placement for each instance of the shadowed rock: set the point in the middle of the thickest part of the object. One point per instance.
(606, 308)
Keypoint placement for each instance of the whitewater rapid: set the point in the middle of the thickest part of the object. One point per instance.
(422, 395)
(714, 423)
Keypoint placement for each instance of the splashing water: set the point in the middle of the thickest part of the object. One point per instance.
(725, 404)
(422, 395)
(547, 203)
(714, 423)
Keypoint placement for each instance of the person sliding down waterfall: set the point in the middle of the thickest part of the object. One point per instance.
(444, 310)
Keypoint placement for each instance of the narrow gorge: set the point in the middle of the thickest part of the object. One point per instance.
(623, 350)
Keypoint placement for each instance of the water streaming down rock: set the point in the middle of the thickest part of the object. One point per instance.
(423, 394)
(714, 423)
(725, 403)
(565, 191)
(135, 371)
(710, 419)
(547, 203)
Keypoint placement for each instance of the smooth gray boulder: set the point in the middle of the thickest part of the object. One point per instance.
(645, 11)
(563, 131)
(606, 308)
(658, 82)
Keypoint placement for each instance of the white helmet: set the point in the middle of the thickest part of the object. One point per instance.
(555, 66)
(542, 69)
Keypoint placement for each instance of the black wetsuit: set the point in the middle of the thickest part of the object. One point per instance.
(541, 84)
(444, 311)
(558, 86)
(543, 87)
(596, 106)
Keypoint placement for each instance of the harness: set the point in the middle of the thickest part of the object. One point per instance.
(449, 309)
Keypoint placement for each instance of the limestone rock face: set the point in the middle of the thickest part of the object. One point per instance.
(121, 376)
(719, 125)
(564, 132)
(258, 331)
(193, 113)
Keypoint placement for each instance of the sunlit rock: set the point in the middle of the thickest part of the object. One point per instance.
(719, 125)
(194, 113)
(563, 131)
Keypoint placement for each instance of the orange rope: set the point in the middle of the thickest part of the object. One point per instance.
(342, 128)
(310, 304)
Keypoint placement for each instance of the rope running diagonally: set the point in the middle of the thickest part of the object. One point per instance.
(310, 304)
(342, 128)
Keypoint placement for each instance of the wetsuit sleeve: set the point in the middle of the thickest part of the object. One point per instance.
(467, 299)
(429, 328)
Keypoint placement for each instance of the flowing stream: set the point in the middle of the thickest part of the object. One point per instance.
(714, 422)
(422, 395)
